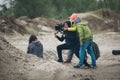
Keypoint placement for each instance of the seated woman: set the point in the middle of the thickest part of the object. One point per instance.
(35, 47)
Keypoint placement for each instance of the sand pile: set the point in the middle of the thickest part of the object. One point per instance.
(97, 22)
(17, 65)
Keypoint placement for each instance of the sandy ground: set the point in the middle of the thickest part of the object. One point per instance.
(108, 65)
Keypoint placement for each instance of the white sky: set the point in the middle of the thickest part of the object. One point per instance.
(1, 1)
(5, 2)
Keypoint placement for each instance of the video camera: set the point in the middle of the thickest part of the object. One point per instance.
(59, 27)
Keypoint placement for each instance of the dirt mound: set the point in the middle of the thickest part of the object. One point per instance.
(97, 22)
(46, 22)
(16, 65)
(24, 25)
(13, 62)
(36, 25)
(9, 25)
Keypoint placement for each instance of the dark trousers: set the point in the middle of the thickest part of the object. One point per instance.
(73, 48)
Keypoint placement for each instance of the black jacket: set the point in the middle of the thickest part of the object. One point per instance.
(70, 38)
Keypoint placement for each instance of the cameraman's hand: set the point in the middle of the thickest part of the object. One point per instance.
(63, 35)
(56, 35)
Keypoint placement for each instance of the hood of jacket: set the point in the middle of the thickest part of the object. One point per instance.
(77, 20)
(36, 42)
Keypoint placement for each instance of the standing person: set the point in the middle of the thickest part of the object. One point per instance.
(77, 47)
(85, 37)
(35, 47)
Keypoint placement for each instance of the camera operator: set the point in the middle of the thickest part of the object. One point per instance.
(71, 42)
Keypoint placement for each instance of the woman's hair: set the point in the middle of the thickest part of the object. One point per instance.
(68, 23)
(32, 38)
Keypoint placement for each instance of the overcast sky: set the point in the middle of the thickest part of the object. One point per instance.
(1, 1)
(5, 2)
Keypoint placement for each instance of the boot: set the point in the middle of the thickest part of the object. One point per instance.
(67, 61)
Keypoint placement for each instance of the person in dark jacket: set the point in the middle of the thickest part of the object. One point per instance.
(35, 47)
(71, 43)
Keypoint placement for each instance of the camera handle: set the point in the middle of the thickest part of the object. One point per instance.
(61, 32)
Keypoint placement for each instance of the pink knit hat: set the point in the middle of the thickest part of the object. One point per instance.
(73, 16)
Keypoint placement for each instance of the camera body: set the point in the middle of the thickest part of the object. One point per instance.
(59, 27)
